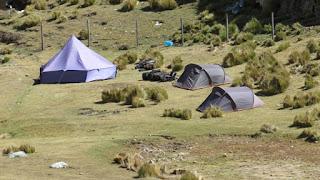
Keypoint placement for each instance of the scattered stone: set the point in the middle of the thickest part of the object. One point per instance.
(59, 165)
(17, 154)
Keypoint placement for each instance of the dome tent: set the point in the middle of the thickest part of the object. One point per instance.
(201, 76)
(231, 99)
(76, 63)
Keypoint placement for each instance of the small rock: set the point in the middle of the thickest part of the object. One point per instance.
(59, 165)
(18, 154)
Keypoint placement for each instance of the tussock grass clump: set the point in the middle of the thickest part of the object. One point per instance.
(268, 74)
(312, 46)
(83, 34)
(123, 60)
(137, 102)
(62, 1)
(176, 64)
(184, 114)
(267, 128)
(268, 43)
(27, 148)
(309, 136)
(39, 4)
(4, 60)
(9, 37)
(10, 149)
(113, 95)
(156, 94)
(253, 26)
(74, 14)
(280, 35)
(154, 55)
(88, 3)
(206, 17)
(283, 46)
(303, 121)
(243, 37)
(212, 112)
(163, 4)
(149, 170)
(114, 2)
(133, 92)
(189, 176)
(27, 22)
(55, 15)
(5, 50)
(73, 2)
(309, 82)
(128, 5)
(62, 19)
(287, 102)
(239, 55)
(129, 161)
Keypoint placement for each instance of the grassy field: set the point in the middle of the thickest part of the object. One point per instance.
(66, 122)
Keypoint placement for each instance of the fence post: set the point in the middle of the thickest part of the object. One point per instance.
(272, 22)
(89, 32)
(182, 38)
(137, 33)
(227, 26)
(41, 36)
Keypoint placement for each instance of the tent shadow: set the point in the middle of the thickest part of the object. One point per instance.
(36, 82)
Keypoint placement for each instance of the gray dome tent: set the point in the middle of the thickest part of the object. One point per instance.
(231, 99)
(201, 76)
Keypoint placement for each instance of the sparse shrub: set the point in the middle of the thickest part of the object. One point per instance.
(212, 112)
(233, 30)
(128, 5)
(113, 95)
(309, 82)
(294, 57)
(268, 43)
(88, 3)
(131, 57)
(123, 47)
(73, 2)
(185, 114)
(27, 148)
(4, 60)
(283, 46)
(40, 4)
(274, 84)
(312, 46)
(311, 69)
(124, 59)
(137, 102)
(287, 101)
(299, 101)
(206, 17)
(156, 94)
(27, 22)
(155, 55)
(4, 51)
(253, 26)
(215, 41)
(239, 55)
(189, 176)
(303, 121)
(280, 35)
(149, 170)
(83, 34)
(237, 82)
(267, 128)
(243, 37)
(305, 57)
(282, 28)
(297, 28)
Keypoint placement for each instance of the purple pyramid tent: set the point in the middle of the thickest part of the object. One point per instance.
(76, 63)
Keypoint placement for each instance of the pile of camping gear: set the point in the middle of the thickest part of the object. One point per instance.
(158, 75)
(145, 65)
